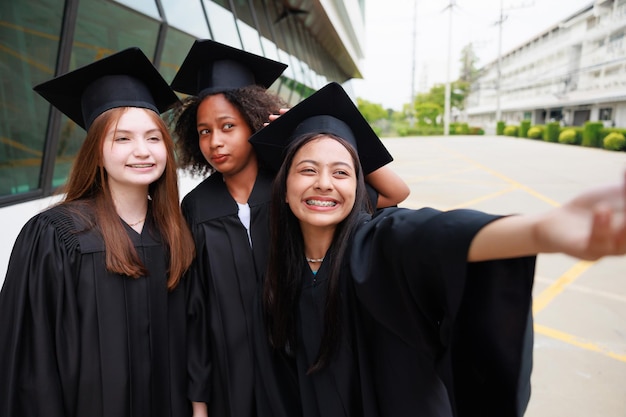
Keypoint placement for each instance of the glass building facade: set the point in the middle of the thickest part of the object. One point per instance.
(40, 39)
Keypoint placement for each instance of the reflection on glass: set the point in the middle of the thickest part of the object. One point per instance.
(148, 7)
(28, 56)
(188, 16)
(285, 57)
(222, 23)
(250, 38)
(177, 44)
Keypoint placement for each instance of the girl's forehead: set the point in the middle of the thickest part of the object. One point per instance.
(324, 143)
(324, 150)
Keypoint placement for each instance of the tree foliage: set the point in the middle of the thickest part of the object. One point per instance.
(372, 112)
(427, 108)
(469, 60)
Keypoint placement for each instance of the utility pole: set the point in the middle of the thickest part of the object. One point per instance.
(500, 22)
(446, 113)
(499, 62)
(412, 104)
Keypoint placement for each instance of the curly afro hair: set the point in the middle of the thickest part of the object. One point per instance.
(254, 103)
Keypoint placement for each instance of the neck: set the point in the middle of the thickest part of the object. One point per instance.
(240, 185)
(316, 241)
(131, 204)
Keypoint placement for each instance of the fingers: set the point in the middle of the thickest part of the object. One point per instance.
(606, 238)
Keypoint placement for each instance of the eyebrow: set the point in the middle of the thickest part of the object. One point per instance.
(149, 132)
(314, 162)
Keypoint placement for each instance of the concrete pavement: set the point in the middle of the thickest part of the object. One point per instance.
(579, 307)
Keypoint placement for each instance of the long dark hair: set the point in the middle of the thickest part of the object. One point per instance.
(88, 184)
(253, 102)
(283, 284)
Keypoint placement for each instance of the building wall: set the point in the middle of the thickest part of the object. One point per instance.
(319, 40)
(573, 72)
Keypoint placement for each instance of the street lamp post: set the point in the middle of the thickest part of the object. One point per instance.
(446, 112)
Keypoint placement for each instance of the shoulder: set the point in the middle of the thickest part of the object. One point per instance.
(59, 226)
(209, 200)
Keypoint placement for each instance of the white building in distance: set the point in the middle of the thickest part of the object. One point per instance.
(573, 72)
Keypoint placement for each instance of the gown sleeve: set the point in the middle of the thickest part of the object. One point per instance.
(473, 320)
(39, 340)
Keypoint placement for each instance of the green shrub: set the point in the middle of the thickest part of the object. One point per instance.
(510, 131)
(459, 129)
(591, 134)
(523, 128)
(607, 130)
(568, 136)
(551, 132)
(615, 142)
(476, 130)
(500, 128)
(535, 132)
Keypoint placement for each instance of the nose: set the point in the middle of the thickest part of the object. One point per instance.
(141, 148)
(216, 140)
(324, 180)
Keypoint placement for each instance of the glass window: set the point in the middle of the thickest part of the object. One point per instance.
(30, 42)
(284, 57)
(605, 113)
(270, 49)
(187, 15)
(148, 7)
(177, 45)
(250, 38)
(102, 28)
(222, 23)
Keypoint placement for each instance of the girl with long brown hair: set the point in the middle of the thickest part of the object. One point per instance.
(97, 318)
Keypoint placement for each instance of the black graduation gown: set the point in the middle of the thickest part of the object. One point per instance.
(424, 332)
(231, 272)
(76, 340)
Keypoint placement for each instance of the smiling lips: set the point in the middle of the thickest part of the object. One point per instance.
(140, 165)
(321, 203)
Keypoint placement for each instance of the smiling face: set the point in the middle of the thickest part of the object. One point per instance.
(133, 152)
(223, 135)
(321, 183)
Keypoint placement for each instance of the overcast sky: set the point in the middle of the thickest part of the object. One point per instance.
(388, 65)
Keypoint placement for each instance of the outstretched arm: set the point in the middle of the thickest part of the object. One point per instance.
(391, 189)
(590, 226)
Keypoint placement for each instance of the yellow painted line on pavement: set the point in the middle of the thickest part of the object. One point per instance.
(575, 341)
(485, 197)
(549, 294)
(542, 300)
(507, 179)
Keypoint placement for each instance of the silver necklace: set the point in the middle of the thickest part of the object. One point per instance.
(314, 260)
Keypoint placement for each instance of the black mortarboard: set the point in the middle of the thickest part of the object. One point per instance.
(212, 67)
(124, 79)
(329, 110)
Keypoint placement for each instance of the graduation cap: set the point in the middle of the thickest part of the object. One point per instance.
(212, 67)
(329, 110)
(124, 79)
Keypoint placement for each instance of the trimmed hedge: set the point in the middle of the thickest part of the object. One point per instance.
(551, 132)
(500, 128)
(568, 136)
(591, 134)
(614, 141)
(523, 128)
(535, 132)
(510, 131)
